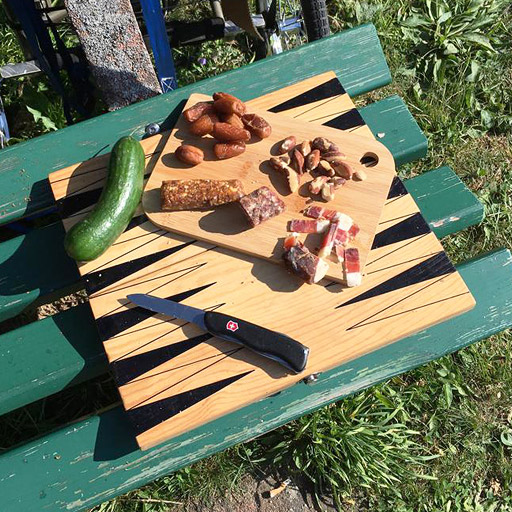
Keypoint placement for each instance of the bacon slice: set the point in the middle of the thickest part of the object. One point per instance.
(328, 241)
(308, 226)
(352, 267)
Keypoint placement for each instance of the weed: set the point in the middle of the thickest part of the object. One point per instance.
(447, 33)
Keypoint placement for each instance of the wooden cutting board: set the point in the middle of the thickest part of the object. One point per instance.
(227, 226)
(171, 376)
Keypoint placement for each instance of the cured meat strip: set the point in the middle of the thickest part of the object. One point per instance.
(198, 194)
(340, 253)
(328, 241)
(353, 231)
(342, 237)
(291, 240)
(308, 226)
(319, 212)
(352, 267)
(345, 222)
(305, 264)
(261, 205)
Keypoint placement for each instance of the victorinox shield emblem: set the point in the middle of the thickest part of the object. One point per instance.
(232, 326)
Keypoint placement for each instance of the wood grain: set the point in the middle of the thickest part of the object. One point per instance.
(172, 377)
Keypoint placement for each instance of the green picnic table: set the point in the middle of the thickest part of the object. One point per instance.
(95, 459)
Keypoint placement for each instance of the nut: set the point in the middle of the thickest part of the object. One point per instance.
(343, 169)
(279, 163)
(298, 161)
(286, 158)
(228, 149)
(204, 124)
(225, 132)
(333, 157)
(233, 119)
(359, 175)
(325, 167)
(293, 179)
(337, 182)
(257, 125)
(228, 104)
(316, 185)
(324, 145)
(287, 145)
(189, 154)
(312, 160)
(196, 111)
(305, 148)
(328, 192)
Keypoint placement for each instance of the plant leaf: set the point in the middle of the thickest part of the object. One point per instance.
(448, 394)
(444, 17)
(480, 39)
(35, 113)
(473, 75)
(487, 119)
(48, 123)
(506, 438)
(415, 21)
(451, 49)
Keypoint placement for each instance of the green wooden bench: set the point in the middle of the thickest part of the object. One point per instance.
(90, 461)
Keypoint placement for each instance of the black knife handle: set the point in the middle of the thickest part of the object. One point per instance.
(274, 345)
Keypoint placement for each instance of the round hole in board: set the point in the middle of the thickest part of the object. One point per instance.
(369, 160)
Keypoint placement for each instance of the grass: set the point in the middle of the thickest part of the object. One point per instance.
(438, 438)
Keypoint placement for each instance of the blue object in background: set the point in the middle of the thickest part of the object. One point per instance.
(155, 23)
(4, 127)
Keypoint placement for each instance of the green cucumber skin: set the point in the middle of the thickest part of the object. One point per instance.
(122, 192)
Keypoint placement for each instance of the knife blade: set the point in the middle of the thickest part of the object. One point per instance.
(273, 345)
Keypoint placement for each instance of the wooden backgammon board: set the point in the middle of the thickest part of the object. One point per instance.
(172, 377)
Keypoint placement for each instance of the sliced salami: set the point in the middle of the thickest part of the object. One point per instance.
(260, 205)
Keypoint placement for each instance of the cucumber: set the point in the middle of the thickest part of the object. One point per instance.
(122, 192)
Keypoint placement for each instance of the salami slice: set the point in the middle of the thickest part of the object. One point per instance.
(198, 194)
(260, 205)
